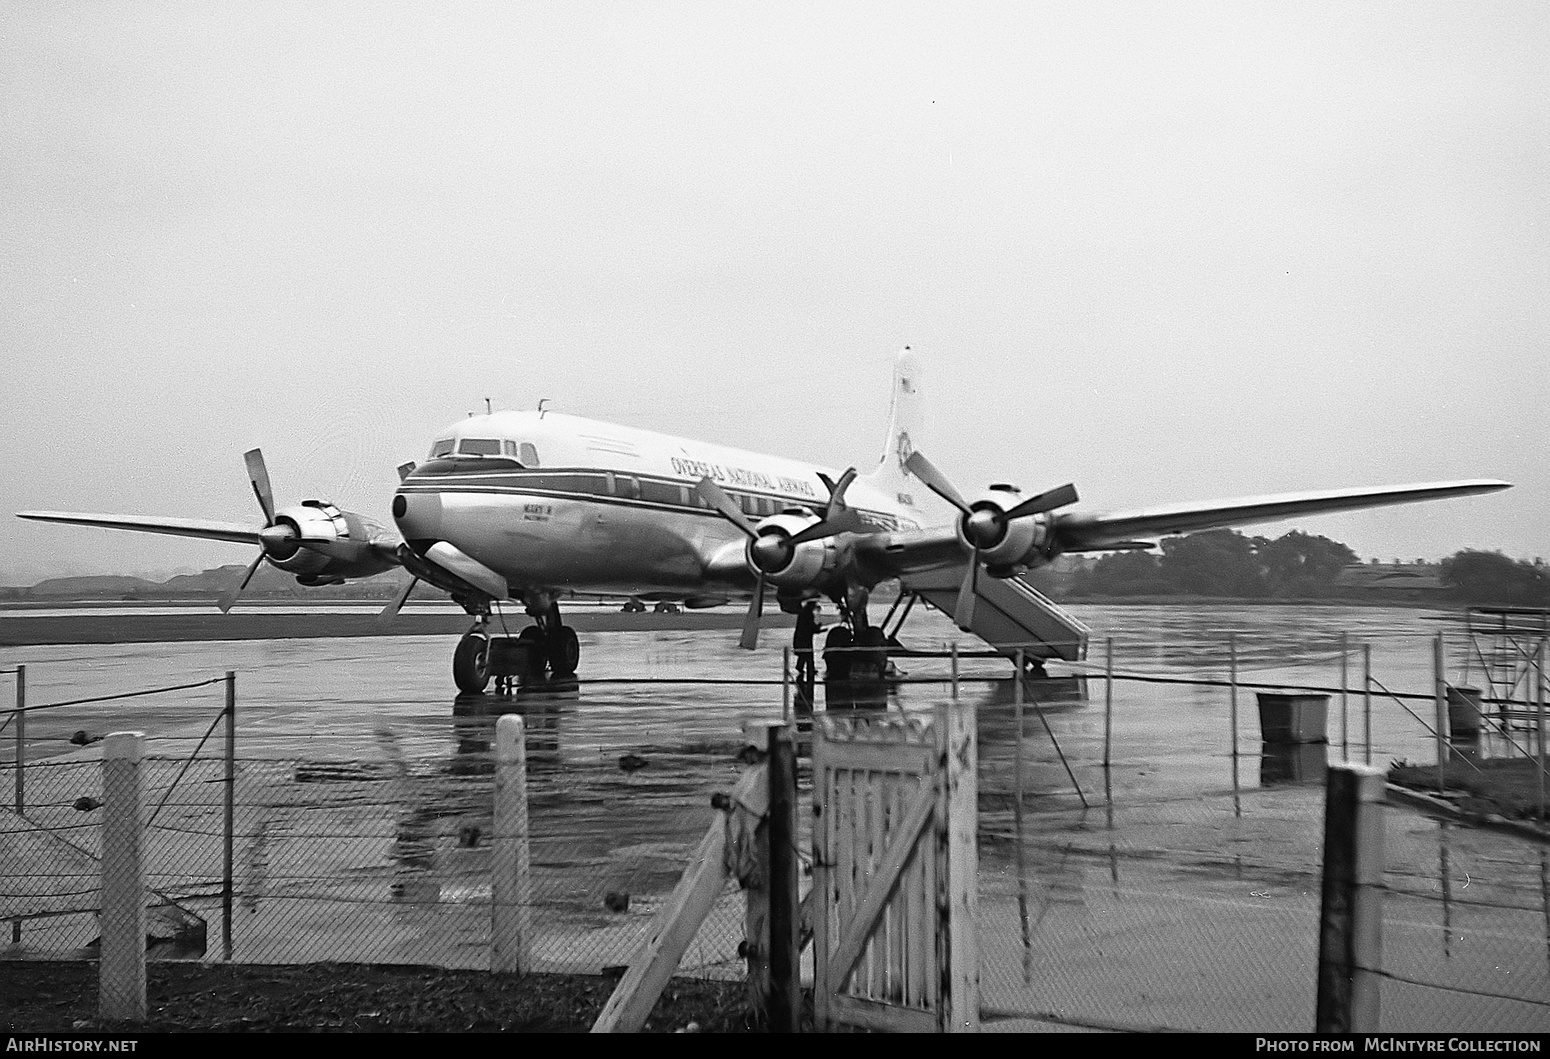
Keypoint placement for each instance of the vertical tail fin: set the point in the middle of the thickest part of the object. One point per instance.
(906, 424)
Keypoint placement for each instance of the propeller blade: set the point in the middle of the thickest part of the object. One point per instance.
(750, 637)
(935, 480)
(717, 498)
(842, 521)
(229, 597)
(389, 612)
(1047, 501)
(258, 474)
(963, 613)
(837, 490)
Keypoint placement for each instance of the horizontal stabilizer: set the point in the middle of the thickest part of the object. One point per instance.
(1096, 532)
(177, 527)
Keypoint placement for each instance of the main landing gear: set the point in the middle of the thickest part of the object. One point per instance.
(543, 653)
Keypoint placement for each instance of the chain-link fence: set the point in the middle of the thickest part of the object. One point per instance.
(1154, 864)
(1179, 887)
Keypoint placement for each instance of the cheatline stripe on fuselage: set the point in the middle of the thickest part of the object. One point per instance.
(533, 484)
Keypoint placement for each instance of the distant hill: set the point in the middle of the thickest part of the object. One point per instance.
(91, 586)
(210, 584)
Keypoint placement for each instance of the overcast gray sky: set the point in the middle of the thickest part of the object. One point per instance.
(1164, 251)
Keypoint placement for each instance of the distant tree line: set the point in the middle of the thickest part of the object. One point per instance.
(1295, 565)
(1220, 563)
(1491, 578)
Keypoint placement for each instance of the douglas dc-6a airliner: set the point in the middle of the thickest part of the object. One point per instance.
(539, 507)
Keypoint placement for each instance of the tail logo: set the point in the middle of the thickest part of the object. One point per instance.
(903, 450)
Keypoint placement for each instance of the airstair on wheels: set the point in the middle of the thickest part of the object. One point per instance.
(1009, 615)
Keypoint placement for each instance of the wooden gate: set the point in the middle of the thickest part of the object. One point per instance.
(894, 870)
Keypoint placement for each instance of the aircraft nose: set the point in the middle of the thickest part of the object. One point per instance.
(418, 515)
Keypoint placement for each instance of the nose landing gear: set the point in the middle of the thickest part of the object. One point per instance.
(545, 652)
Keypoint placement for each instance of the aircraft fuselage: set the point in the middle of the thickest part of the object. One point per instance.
(551, 501)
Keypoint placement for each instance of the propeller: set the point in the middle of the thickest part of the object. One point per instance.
(983, 527)
(772, 551)
(273, 535)
(389, 612)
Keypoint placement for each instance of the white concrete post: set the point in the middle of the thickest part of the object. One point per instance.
(511, 883)
(121, 973)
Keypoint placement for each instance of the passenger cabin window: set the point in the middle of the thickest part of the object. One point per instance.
(479, 447)
(659, 492)
(440, 447)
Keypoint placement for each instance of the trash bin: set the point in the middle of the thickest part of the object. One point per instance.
(1290, 718)
(1463, 712)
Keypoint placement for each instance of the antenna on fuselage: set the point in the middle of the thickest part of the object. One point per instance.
(487, 409)
(541, 402)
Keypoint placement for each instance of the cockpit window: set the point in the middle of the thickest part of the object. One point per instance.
(440, 447)
(529, 456)
(480, 446)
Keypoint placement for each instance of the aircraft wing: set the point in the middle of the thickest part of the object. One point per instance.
(1080, 531)
(177, 527)
(383, 545)
(902, 552)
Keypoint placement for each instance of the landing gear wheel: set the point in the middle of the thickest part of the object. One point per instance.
(564, 652)
(471, 664)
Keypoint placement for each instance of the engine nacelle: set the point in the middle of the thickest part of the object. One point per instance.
(1006, 547)
(787, 565)
(337, 544)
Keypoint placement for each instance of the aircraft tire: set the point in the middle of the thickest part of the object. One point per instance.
(471, 664)
(564, 652)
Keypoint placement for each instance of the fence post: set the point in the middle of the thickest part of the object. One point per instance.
(1345, 742)
(958, 886)
(1351, 914)
(121, 970)
(1367, 703)
(1539, 697)
(1017, 716)
(1232, 694)
(785, 903)
(1440, 712)
(21, 739)
(231, 811)
(785, 684)
(511, 909)
(21, 767)
(1108, 699)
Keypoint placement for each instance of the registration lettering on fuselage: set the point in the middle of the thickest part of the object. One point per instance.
(537, 512)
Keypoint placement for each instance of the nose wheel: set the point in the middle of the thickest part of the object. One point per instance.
(471, 663)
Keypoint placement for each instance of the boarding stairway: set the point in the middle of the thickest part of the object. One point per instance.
(1009, 614)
